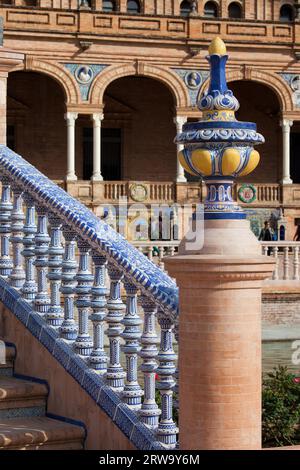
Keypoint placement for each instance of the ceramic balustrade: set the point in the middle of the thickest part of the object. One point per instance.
(105, 314)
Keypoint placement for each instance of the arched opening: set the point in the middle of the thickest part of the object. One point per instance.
(137, 132)
(211, 10)
(185, 8)
(35, 121)
(235, 10)
(260, 104)
(108, 6)
(286, 13)
(133, 7)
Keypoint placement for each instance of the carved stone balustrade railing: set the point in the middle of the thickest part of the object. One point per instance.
(286, 254)
(95, 301)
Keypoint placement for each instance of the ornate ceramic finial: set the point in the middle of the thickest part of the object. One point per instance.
(217, 46)
(218, 147)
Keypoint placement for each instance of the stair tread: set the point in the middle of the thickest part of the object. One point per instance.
(14, 388)
(38, 431)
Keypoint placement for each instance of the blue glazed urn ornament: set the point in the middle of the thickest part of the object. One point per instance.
(218, 147)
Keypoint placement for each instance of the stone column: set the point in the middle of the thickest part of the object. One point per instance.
(97, 118)
(286, 125)
(220, 337)
(179, 121)
(71, 117)
(8, 60)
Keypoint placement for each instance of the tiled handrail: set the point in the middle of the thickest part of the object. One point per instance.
(72, 303)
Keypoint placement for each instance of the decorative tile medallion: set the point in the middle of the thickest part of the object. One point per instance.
(138, 192)
(247, 193)
(293, 80)
(193, 80)
(85, 75)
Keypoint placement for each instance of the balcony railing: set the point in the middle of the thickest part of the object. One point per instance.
(286, 254)
(194, 28)
(98, 192)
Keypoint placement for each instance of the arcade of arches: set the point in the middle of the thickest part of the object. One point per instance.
(137, 130)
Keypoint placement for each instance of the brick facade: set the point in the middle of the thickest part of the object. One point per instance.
(281, 308)
(150, 45)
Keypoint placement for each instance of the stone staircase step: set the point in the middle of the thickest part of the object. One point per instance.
(21, 398)
(40, 433)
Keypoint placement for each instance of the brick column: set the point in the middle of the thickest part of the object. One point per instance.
(8, 60)
(123, 6)
(220, 337)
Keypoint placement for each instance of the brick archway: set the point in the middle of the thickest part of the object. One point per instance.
(166, 76)
(273, 81)
(58, 73)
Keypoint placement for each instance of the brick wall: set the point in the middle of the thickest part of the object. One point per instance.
(281, 308)
(144, 108)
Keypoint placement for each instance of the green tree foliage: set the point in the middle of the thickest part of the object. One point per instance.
(281, 408)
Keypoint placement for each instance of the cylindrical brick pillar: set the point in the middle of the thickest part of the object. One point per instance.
(220, 338)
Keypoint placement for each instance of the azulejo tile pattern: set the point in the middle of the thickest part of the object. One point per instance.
(193, 80)
(137, 268)
(293, 80)
(124, 418)
(85, 75)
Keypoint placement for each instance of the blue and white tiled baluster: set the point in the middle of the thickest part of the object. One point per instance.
(55, 312)
(17, 275)
(29, 288)
(98, 358)
(176, 375)
(132, 393)
(42, 239)
(115, 374)
(149, 413)
(83, 343)
(6, 207)
(68, 329)
(167, 429)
